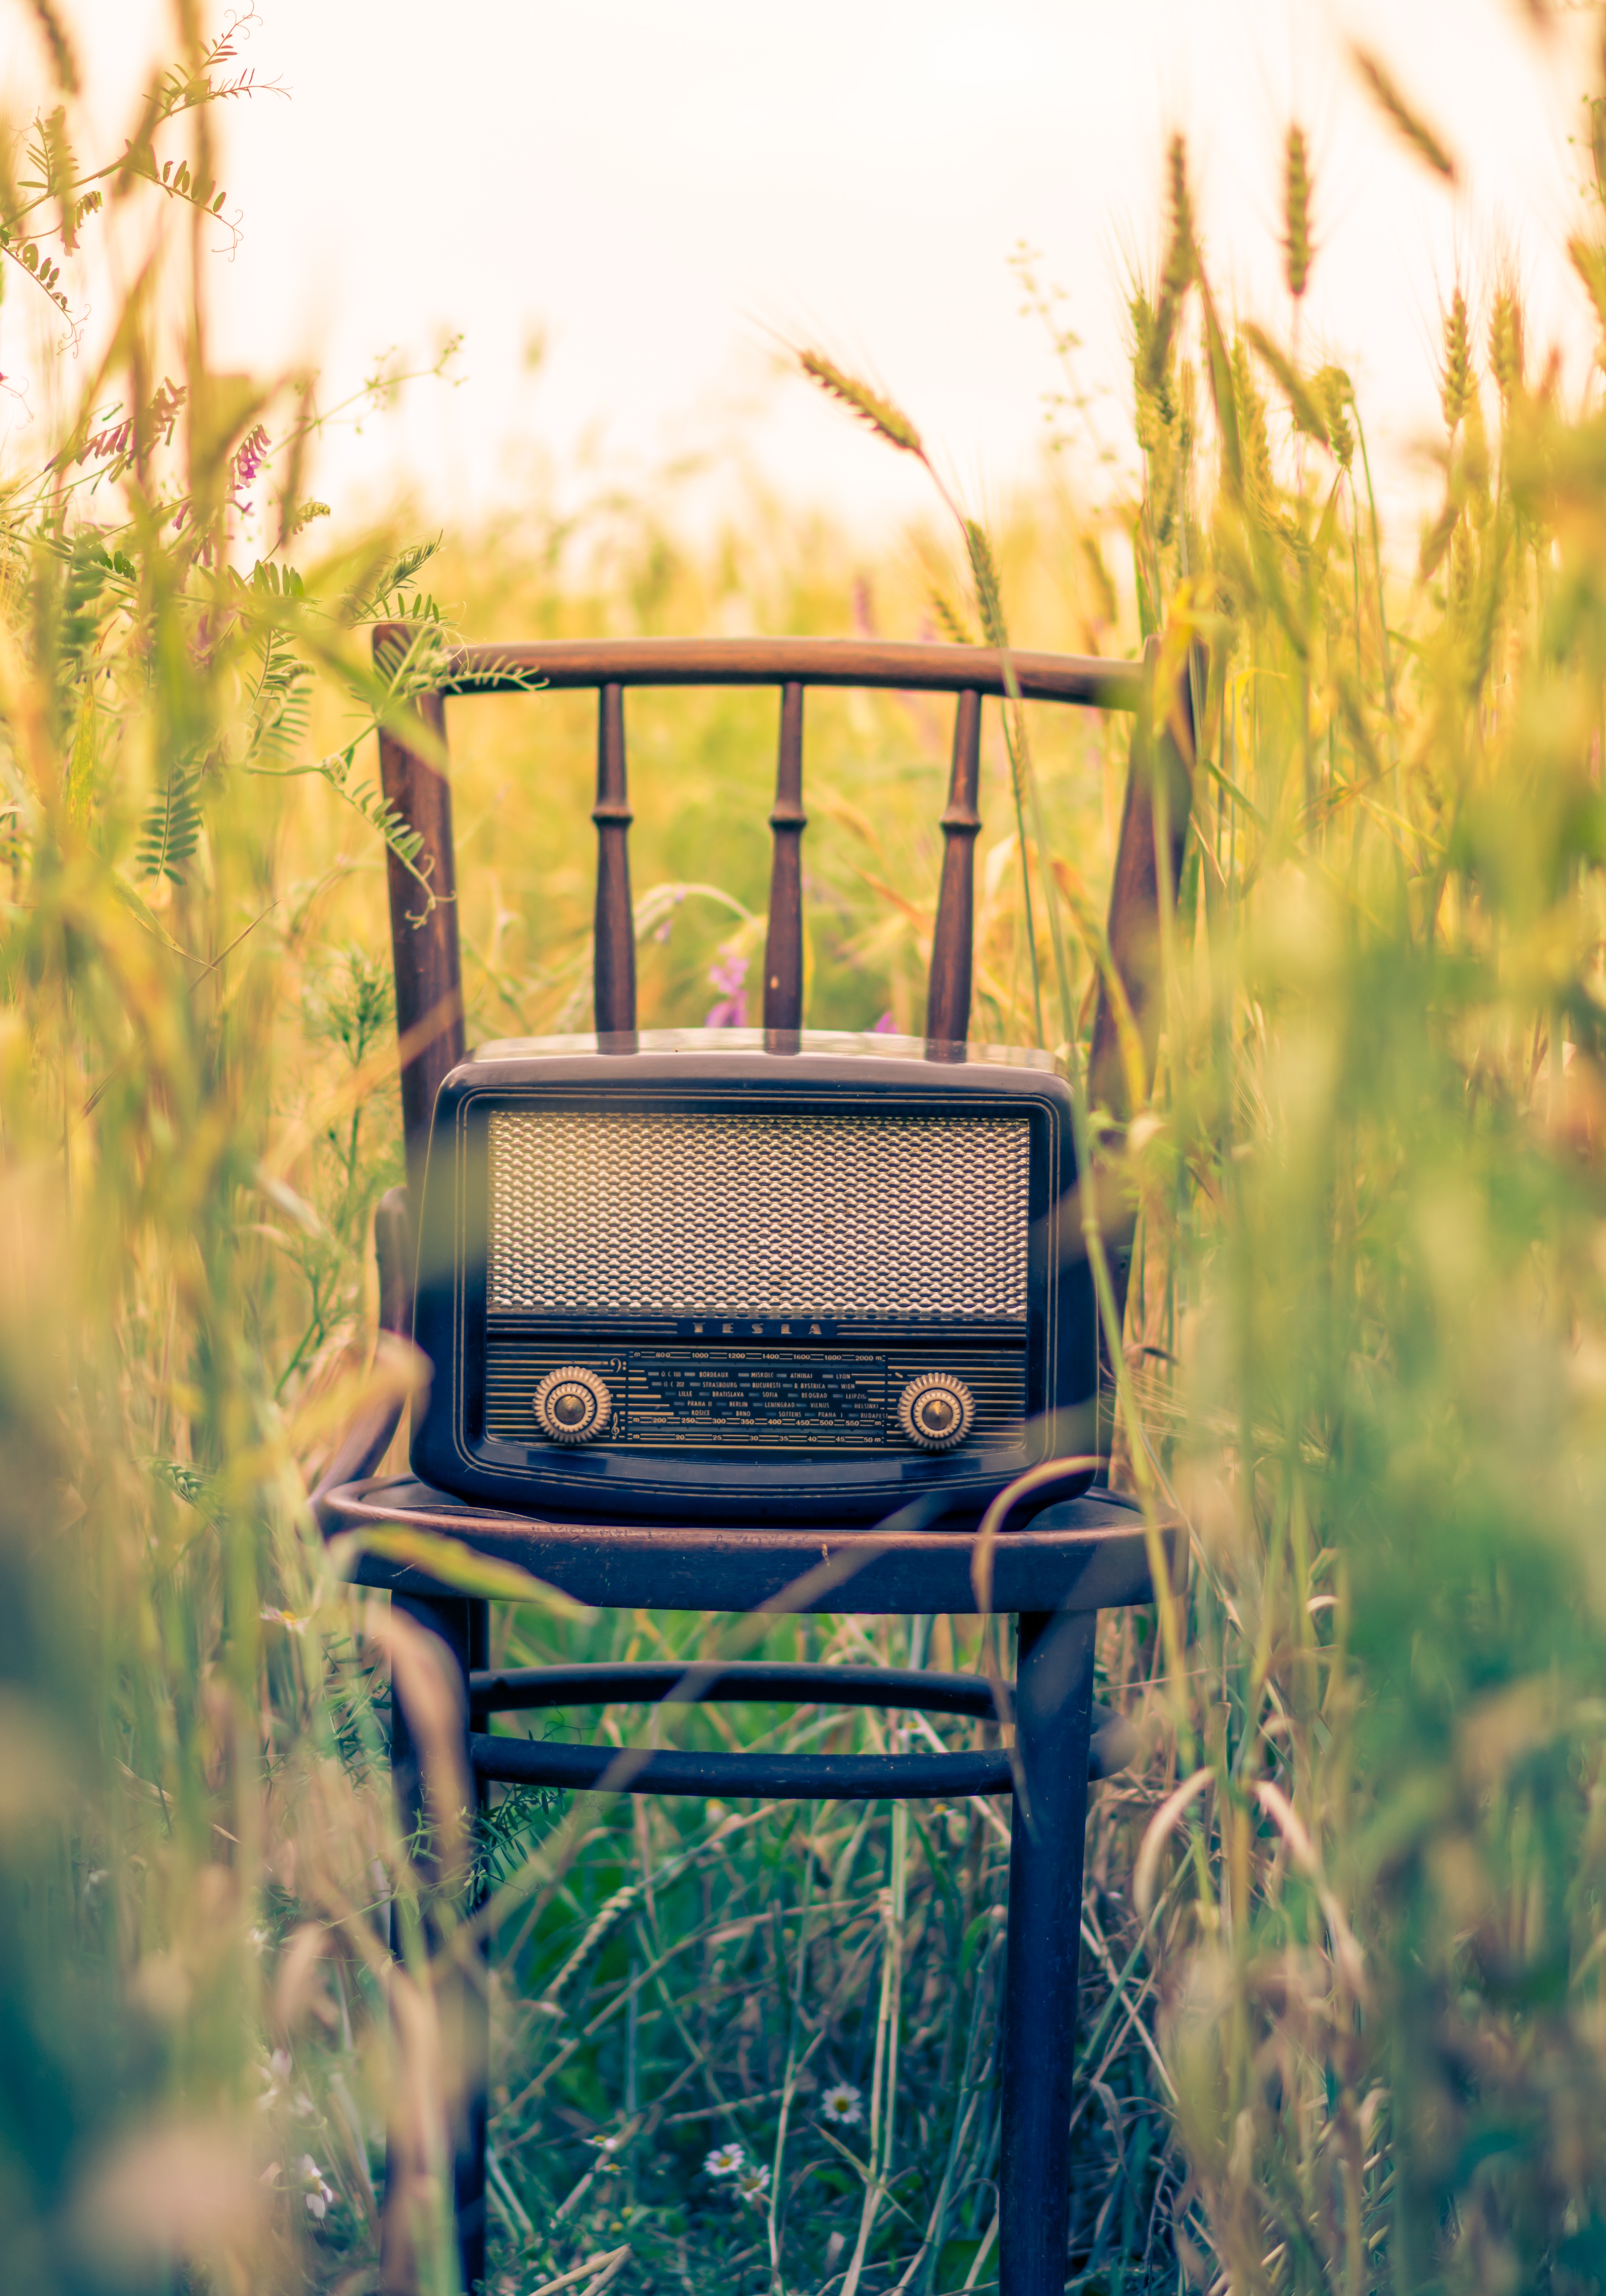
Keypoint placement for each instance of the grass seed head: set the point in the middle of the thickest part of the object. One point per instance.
(1105, 606)
(1409, 124)
(888, 422)
(1151, 375)
(1307, 412)
(1180, 269)
(1589, 261)
(984, 574)
(1297, 212)
(63, 62)
(1458, 382)
(1597, 105)
(949, 620)
(1335, 395)
(1435, 539)
(1181, 256)
(1505, 343)
(1254, 443)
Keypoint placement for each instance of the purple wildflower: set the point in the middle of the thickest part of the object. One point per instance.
(729, 978)
(250, 456)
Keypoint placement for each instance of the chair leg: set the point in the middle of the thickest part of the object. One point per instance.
(462, 1626)
(469, 2181)
(1053, 1707)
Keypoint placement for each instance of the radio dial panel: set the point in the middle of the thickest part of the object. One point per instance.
(819, 1399)
(572, 1404)
(935, 1410)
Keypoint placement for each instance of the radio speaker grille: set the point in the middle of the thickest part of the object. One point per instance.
(905, 1216)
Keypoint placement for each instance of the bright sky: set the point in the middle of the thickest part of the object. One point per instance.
(662, 193)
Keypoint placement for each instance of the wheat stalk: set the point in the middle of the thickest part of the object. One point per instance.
(1336, 392)
(1180, 269)
(1303, 404)
(1457, 381)
(1410, 124)
(1506, 348)
(887, 421)
(1295, 212)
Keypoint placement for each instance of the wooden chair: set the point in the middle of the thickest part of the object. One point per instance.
(1074, 1558)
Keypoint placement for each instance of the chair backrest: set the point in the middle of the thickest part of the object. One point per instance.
(428, 987)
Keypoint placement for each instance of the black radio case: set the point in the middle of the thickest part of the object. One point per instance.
(682, 1277)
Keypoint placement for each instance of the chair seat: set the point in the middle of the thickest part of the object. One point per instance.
(1089, 1554)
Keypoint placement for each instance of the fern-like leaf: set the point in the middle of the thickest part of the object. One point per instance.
(385, 598)
(404, 841)
(171, 829)
(281, 700)
(392, 827)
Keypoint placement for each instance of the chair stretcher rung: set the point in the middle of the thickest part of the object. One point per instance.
(845, 1777)
(773, 1777)
(517, 1689)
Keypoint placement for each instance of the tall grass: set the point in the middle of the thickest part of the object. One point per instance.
(1341, 2018)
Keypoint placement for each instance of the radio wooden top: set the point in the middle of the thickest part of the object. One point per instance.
(842, 1043)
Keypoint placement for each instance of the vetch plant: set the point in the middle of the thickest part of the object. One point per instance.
(730, 977)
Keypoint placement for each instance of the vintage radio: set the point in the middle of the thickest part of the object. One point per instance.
(682, 1277)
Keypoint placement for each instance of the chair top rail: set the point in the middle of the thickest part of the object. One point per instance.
(899, 667)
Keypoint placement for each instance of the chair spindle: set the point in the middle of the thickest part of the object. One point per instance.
(783, 945)
(424, 924)
(948, 993)
(614, 940)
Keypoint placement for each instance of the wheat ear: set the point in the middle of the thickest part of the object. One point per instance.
(1302, 403)
(1297, 212)
(1386, 93)
(1458, 380)
(885, 420)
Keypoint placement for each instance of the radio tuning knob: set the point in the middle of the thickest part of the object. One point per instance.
(572, 1404)
(935, 1410)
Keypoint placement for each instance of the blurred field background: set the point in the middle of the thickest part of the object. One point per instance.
(1342, 2014)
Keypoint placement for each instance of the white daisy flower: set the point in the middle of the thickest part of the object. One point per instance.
(752, 2184)
(725, 2161)
(843, 2104)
